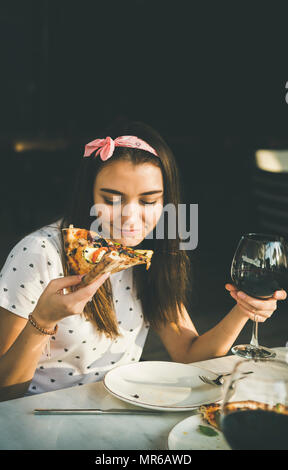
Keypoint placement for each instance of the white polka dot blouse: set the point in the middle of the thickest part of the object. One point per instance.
(79, 354)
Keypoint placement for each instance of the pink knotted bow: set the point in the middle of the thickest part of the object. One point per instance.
(106, 146)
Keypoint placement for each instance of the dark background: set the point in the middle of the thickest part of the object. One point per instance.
(209, 76)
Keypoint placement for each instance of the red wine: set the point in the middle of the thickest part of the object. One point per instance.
(256, 430)
(259, 283)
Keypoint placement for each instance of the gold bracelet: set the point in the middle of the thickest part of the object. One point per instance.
(42, 330)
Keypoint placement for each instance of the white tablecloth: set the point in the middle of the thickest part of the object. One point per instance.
(21, 429)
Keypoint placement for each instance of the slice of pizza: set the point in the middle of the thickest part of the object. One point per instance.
(211, 414)
(90, 254)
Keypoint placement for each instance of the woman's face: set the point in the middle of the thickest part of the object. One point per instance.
(130, 199)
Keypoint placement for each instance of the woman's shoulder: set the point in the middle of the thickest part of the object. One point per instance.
(48, 236)
(31, 264)
(51, 232)
(42, 246)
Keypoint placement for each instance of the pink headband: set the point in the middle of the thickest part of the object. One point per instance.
(106, 146)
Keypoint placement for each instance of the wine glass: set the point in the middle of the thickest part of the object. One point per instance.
(254, 411)
(259, 268)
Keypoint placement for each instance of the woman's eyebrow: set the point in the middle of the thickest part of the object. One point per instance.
(114, 191)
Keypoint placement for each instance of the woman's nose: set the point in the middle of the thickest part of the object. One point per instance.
(131, 216)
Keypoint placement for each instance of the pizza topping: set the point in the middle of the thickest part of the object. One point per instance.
(96, 244)
(97, 255)
(103, 242)
(89, 237)
(81, 233)
(207, 431)
(114, 254)
(126, 252)
(85, 249)
(211, 414)
(93, 255)
(82, 242)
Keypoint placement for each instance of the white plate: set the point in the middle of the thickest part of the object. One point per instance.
(186, 436)
(162, 385)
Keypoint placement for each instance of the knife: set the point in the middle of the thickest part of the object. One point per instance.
(94, 411)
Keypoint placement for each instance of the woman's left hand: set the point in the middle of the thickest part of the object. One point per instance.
(250, 306)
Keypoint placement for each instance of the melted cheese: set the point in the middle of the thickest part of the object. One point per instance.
(89, 252)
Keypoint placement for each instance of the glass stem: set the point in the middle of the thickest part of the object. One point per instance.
(254, 339)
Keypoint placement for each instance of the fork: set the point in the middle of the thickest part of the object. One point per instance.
(219, 380)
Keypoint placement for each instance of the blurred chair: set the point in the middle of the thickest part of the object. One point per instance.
(271, 190)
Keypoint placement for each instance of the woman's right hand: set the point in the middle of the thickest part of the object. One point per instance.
(53, 305)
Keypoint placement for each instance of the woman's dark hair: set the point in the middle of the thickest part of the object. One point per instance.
(164, 288)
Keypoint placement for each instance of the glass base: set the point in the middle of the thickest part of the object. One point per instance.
(251, 352)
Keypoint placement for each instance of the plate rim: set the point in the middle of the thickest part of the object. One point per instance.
(151, 406)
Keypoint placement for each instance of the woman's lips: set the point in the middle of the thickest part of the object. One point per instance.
(129, 232)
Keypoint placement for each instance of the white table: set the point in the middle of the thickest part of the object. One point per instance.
(20, 429)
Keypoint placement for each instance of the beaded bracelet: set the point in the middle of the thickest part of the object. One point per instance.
(42, 330)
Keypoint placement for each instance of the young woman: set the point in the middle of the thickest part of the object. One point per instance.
(132, 175)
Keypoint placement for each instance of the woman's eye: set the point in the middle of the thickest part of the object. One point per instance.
(148, 203)
(115, 201)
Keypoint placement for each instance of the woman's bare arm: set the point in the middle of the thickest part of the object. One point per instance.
(185, 345)
(21, 344)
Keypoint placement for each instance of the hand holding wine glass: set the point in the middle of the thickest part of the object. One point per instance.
(259, 272)
(250, 306)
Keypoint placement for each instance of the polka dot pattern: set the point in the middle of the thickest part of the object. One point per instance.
(79, 355)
